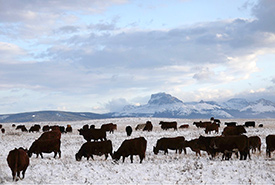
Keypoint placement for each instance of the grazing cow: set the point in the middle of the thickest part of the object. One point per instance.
(204, 144)
(54, 134)
(69, 128)
(270, 144)
(173, 143)
(136, 146)
(18, 161)
(95, 134)
(35, 128)
(184, 126)
(230, 124)
(45, 128)
(128, 130)
(212, 119)
(109, 127)
(45, 146)
(229, 144)
(249, 124)
(89, 149)
(140, 126)
(202, 124)
(212, 127)
(233, 130)
(148, 126)
(193, 144)
(3, 130)
(22, 128)
(255, 143)
(167, 125)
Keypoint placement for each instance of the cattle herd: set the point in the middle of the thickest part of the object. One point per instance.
(231, 141)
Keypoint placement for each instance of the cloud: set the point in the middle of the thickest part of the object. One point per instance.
(116, 104)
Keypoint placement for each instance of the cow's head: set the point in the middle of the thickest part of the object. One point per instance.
(155, 150)
(116, 156)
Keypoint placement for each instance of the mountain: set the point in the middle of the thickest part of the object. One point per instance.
(43, 116)
(165, 105)
(160, 105)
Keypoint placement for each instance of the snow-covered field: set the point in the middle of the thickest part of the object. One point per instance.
(155, 169)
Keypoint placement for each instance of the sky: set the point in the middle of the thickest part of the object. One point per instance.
(98, 56)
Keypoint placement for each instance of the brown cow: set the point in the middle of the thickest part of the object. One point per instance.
(45, 128)
(95, 134)
(18, 161)
(54, 134)
(212, 127)
(22, 128)
(233, 130)
(184, 126)
(172, 143)
(140, 126)
(45, 146)
(270, 144)
(204, 144)
(148, 126)
(167, 125)
(109, 127)
(202, 124)
(35, 128)
(193, 144)
(89, 149)
(136, 146)
(69, 128)
(255, 143)
(230, 143)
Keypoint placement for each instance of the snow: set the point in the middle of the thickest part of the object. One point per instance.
(155, 169)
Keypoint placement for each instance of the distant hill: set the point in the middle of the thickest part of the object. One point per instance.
(160, 105)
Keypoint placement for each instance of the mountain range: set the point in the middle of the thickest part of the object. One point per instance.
(164, 106)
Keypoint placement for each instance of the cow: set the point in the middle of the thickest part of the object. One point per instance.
(89, 149)
(204, 144)
(95, 134)
(69, 128)
(249, 124)
(1, 126)
(184, 126)
(172, 143)
(109, 127)
(212, 127)
(18, 161)
(45, 128)
(230, 124)
(3, 130)
(131, 147)
(229, 144)
(261, 125)
(194, 146)
(233, 130)
(54, 134)
(270, 144)
(22, 128)
(45, 146)
(217, 121)
(148, 126)
(202, 124)
(35, 128)
(254, 143)
(140, 126)
(128, 130)
(167, 125)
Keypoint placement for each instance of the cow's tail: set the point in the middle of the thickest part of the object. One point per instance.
(15, 163)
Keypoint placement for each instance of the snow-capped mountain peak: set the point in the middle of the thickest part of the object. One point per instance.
(162, 99)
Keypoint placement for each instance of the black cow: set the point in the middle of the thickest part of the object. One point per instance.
(172, 143)
(270, 144)
(131, 147)
(89, 149)
(166, 125)
(249, 124)
(128, 130)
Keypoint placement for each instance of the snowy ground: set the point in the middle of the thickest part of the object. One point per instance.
(155, 169)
